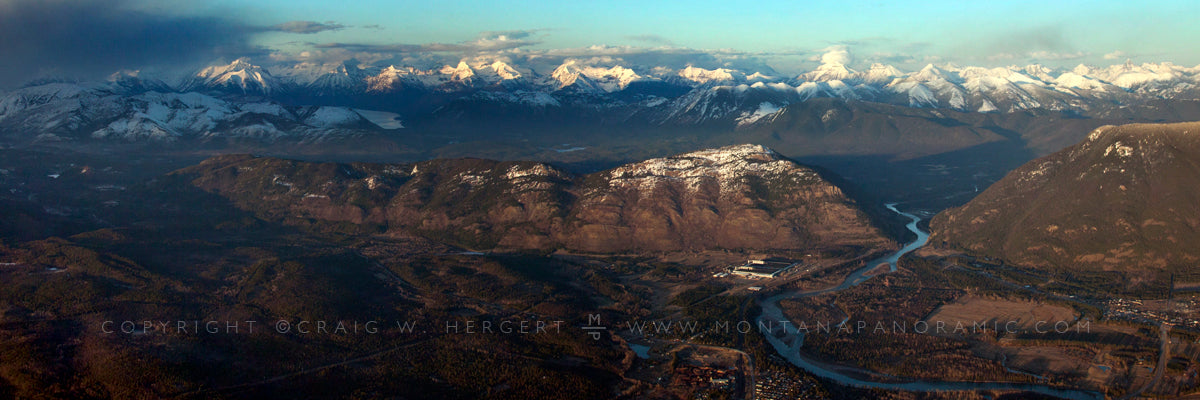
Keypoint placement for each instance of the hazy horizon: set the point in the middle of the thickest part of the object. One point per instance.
(94, 38)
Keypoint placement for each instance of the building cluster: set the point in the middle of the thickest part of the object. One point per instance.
(1180, 312)
(758, 269)
(706, 377)
(780, 386)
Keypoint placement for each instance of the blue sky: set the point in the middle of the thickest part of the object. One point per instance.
(968, 32)
(88, 38)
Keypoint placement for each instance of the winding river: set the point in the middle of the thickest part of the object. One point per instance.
(788, 342)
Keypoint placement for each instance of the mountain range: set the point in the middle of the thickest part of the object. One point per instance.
(246, 100)
(609, 110)
(743, 197)
(977, 89)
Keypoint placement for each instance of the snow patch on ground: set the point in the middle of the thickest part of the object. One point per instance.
(764, 109)
(724, 167)
(987, 106)
(1122, 150)
(1098, 132)
(266, 108)
(333, 117)
(384, 119)
(536, 99)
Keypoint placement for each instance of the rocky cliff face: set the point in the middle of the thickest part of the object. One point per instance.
(733, 197)
(1126, 198)
(736, 197)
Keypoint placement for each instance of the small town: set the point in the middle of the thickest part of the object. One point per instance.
(780, 386)
(707, 377)
(1177, 312)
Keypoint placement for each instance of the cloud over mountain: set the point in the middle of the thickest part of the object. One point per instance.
(486, 41)
(86, 39)
(89, 38)
(839, 54)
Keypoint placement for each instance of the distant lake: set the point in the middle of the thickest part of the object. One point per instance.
(642, 351)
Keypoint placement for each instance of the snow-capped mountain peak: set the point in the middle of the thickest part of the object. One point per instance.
(1073, 80)
(759, 77)
(664, 94)
(931, 73)
(829, 72)
(1039, 71)
(504, 71)
(388, 79)
(238, 75)
(880, 74)
(344, 78)
(134, 82)
(704, 76)
(1082, 70)
(460, 73)
(593, 78)
(1131, 76)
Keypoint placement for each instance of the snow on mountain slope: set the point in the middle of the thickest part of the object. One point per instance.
(1038, 71)
(461, 73)
(760, 77)
(916, 94)
(724, 166)
(829, 72)
(930, 87)
(134, 82)
(701, 105)
(534, 99)
(54, 109)
(1075, 81)
(265, 108)
(130, 105)
(1007, 88)
(765, 109)
(383, 119)
(880, 74)
(495, 71)
(1001, 85)
(333, 117)
(1131, 76)
(591, 78)
(748, 104)
(834, 88)
(703, 76)
(72, 112)
(461, 77)
(392, 79)
(603, 82)
(31, 97)
(344, 79)
(240, 75)
(934, 74)
(987, 107)
(167, 116)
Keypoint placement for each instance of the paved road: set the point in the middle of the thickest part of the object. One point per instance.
(1164, 353)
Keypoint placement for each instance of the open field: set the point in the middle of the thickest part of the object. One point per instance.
(1027, 315)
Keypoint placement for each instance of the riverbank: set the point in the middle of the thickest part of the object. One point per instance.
(788, 342)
